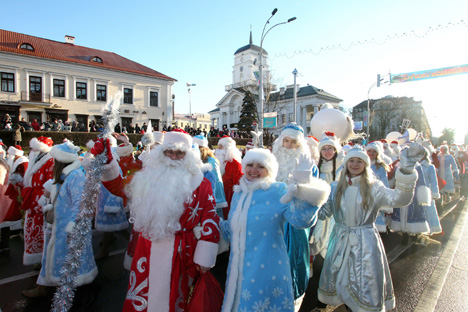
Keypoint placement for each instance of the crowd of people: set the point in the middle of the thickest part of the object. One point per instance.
(255, 220)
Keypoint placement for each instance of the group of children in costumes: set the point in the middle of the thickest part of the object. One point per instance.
(306, 197)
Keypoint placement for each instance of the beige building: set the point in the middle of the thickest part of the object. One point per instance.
(201, 121)
(44, 79)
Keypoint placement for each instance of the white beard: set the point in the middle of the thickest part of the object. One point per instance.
(286, 162)
(157, 195)
(219, 154)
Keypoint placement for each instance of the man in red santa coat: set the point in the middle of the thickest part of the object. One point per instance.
(230, 159)
(40, 170)
(167, 199)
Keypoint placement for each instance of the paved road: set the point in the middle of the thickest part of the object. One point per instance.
(429, 277)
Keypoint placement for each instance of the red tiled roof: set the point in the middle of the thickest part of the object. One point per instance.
(45, 48)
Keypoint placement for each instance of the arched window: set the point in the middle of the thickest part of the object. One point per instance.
(96, 59)
(26, 46)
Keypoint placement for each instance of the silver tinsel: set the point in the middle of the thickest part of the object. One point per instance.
(63, 298)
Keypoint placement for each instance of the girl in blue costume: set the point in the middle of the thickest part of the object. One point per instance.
(65, 199)
(448, 171)
(380, 170)
(259, 277)
(431, 177)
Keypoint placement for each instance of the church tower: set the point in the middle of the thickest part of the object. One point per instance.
(245, 71)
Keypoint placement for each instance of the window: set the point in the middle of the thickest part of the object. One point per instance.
(101, 93)
(128, 96)
(81, 91)
(26, 46)
(96, 59)
(59, 88)
(8, 82)
(153, 98)
(290, 117)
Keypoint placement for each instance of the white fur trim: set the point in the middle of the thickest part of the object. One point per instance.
(177, 139)
(423, 195)
(64, 156)
(27, 180)
(316, 192)
(90, 144)
(223, 245)
(225, 142)
(205, 253)
(112, 209)
(406, 178)
(73, 166)
(111, 227)
(200, 142)
(37, 145)
(206, 167)
(14, 151)
(196, 180)
(69, 227)
(159, 277)
(264, 157)
(436, 196)
(30, 259)
(125, 150)
(19, 161)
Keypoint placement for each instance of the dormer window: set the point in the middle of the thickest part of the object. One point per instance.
(26, 46)
(96, 59)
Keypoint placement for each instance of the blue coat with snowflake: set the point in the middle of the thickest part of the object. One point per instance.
(218, 190)
(67, 207)
(110, 212)
(259, 277)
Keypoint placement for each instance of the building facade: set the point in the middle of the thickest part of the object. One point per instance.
(44, 79)
(387, 115)
(201, 121)
(245, 77)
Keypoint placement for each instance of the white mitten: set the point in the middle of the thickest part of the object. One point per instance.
(111, 171)
(303, 170)
(409, 156)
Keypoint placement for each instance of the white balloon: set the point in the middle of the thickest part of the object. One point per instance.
(412, 134)
(332, 120)
(393, 136)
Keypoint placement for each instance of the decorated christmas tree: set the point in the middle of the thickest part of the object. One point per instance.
(248, 113)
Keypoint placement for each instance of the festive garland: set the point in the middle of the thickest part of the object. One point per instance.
(76, 240)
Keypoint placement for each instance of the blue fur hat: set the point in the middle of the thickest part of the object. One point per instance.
(200, 140)
(65, 152)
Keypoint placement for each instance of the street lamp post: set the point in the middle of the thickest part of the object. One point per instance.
(260, 93)
(377, 83)
(295, 95)
(190, 101)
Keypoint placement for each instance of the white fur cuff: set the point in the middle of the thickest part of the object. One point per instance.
(205, 253)
(423, 195)
(406, 178)
(69, 227)
(125, 150)
(315, 193)
(436, 196)
(223, 245)
(112, 209)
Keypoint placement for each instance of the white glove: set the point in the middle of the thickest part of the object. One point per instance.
(409, 156)
(303, 170)
(111, 171)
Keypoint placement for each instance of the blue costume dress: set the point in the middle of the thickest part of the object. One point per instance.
(110, 212)
(448, 172)
(218, 189)
(66, 208)
(259, 277)
(412, 218)
(431, 211)
(381, 175)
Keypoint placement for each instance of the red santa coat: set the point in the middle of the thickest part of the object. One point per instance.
(163, 270)
(231, 177)
(15, 187)
(34, 179)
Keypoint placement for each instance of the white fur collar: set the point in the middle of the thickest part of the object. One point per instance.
(73, 166)
(33, 169)
(206, 167)
(245, 186)
(196, 180)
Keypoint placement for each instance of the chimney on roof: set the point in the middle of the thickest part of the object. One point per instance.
(69, 39)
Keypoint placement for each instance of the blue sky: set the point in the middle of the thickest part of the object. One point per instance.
(194, 41)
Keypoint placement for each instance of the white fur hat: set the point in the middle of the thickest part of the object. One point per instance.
(374, 146)
(358, 152)
(147, 139)
(158, 137)
(65, 152)
(177, 140)
(329, 138)
(292, 130)
(312, 141)
(42, 144)
(264, 157)
(225, 141)
(14, 151)
(200, 140)
(428, 146)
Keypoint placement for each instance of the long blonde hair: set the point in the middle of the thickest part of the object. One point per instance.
(379, 162)
(366, 186)
(205, 152)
